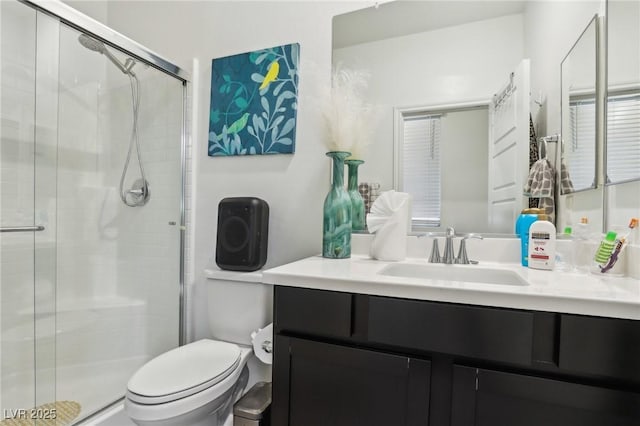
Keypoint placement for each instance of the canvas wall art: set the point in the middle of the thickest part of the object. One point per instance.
(254, 100)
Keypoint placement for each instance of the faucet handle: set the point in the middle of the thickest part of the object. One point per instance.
(462, 258)
(450, 232)
(435, 253)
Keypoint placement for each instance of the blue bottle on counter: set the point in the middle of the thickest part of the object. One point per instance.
(523, 223)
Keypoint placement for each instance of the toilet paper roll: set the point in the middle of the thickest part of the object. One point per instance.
(263, 344)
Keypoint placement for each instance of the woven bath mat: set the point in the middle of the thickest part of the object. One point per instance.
(59, 413)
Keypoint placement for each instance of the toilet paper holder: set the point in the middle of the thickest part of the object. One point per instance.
(262, 341)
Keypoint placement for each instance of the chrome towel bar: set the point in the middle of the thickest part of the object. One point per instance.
(22, 229)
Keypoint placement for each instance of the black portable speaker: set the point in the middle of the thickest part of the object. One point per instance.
(243, 229)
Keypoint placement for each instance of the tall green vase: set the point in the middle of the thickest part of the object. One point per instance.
(357, 203)
(336, 237)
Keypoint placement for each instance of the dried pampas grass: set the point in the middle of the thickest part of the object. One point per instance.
(349, 119)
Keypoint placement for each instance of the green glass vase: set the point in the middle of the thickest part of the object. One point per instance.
(357, 203)
(336, 236)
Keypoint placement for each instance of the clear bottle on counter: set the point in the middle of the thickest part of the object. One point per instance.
(584, 245)
(565, 251)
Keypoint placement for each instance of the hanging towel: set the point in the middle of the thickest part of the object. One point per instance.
(541, 184)
(533, 154)
(541, 180)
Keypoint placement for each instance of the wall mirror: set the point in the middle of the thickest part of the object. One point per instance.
(440, 59)
(623, 92)
(578, 147)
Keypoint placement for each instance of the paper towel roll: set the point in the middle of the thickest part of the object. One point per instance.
(263, 344)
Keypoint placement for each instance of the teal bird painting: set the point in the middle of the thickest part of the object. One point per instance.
(254, 98)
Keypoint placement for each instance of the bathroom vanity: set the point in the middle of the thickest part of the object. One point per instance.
(354, 346)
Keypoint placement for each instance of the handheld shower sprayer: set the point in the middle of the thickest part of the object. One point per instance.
(98, 46)
(139, 193)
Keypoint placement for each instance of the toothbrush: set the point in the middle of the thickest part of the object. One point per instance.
(614, 256)
(618, 248)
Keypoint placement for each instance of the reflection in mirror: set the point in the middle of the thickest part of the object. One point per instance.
(623, 91)
(442, 54)
(433, 149)
(578, 94)
(428, 54)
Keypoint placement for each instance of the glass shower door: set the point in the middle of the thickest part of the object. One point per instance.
(91, 172)
(27, 245)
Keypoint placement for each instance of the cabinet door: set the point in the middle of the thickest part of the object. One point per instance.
(331, 385)
(492, 398)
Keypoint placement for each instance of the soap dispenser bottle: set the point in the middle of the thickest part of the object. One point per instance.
(523, 223)
(542, 244)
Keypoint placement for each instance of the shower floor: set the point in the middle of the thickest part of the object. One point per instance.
(95, 386)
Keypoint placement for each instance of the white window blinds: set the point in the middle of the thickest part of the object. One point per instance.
(623, 137)
(420, 151)
(581, 155)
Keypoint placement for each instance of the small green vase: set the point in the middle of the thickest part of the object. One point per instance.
(357, 203)
(336, 237)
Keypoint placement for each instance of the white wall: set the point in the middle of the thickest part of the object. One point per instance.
(97, 9)
(450, 65)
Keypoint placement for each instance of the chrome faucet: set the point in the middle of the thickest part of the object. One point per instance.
(449, 257)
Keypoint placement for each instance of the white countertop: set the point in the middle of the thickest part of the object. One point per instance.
(553, 291)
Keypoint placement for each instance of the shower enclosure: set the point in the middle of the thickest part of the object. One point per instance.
(92, 170)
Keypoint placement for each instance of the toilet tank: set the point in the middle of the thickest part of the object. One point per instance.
(238, 304)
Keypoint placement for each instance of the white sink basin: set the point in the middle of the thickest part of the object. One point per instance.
(466, 273)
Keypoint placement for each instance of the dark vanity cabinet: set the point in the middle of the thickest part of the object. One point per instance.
(343, 359)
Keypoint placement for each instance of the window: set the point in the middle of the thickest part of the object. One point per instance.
(623, 137)
(419, 153)
(581, 148)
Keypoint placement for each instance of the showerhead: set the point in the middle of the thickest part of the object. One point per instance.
(91, 44)
(98, 46)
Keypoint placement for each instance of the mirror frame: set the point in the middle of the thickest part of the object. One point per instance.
(599, 113)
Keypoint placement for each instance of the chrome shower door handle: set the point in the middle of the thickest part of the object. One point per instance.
(22, 228)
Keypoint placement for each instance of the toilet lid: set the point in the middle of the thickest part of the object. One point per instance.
(185, 370)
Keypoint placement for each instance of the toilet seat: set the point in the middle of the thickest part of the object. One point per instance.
(183, 371)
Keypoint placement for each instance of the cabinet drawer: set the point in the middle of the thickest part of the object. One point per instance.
(600, 346)
(317, 312)
(475, 332)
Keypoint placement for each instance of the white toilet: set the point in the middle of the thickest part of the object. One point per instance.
(198, 383)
